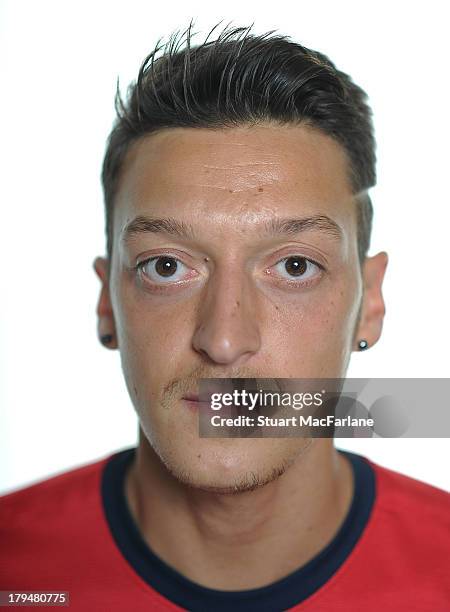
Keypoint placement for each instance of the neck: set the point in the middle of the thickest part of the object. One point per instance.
(210, 538)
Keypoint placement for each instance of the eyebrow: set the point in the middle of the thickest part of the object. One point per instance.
(142, 225)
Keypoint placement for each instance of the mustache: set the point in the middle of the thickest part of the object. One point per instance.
(188, 383)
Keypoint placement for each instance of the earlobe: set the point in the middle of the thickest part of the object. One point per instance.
(373, 307)
(105, 317)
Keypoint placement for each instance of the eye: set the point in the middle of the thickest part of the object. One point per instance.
(163, 269)
(297, 267)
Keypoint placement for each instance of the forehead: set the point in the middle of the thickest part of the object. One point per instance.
(240, 172)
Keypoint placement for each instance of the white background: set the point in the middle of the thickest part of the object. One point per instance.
(63, 399)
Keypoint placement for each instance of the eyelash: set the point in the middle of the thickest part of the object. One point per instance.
(164, 286)
(292, 282)
(138, 269)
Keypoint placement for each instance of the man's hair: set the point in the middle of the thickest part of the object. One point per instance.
(243, 79)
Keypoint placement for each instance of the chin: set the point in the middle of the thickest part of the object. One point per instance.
(229, 466)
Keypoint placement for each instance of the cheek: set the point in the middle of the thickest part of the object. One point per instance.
(313, 333)
(151, 338)
(333, 317)
(148, 322)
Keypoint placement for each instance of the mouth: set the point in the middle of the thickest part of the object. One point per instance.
(201, 408)
(194, 403)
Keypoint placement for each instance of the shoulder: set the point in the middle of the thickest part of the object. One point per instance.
(412, 511)
(56, 495)
(399, 492)
(48, 530)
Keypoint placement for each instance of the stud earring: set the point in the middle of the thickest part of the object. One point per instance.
(106, 339)
(363, 345)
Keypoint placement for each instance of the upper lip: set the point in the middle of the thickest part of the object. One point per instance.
(192, 397)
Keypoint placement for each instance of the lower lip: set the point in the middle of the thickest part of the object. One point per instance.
(205, 407)
(196, 406)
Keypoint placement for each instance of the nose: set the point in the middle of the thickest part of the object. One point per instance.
(227, 329)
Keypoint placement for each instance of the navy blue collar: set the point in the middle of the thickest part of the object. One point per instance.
(280, 595)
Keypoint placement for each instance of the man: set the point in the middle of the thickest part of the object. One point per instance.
(238, 220)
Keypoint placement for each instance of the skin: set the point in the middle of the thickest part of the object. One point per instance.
(235, 513)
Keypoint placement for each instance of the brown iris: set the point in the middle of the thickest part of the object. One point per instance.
(296, 266)
(166, 266)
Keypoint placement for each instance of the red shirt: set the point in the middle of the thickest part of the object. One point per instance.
(72, 532)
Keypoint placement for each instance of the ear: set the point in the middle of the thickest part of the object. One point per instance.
(372, 307)
(106, 326)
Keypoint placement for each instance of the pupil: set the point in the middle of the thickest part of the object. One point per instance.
(166, 266)
(296, 266)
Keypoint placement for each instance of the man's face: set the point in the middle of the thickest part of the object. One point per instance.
(248, 268)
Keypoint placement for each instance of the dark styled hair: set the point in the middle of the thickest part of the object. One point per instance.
(243, 79)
